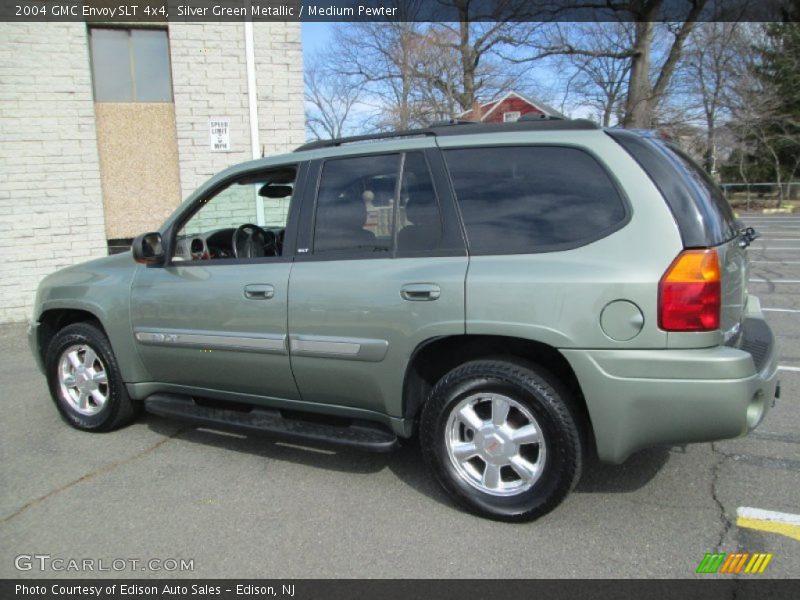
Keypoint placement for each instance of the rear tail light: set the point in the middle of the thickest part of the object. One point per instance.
(689, 293)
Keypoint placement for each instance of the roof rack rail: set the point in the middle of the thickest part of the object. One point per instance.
(454, 128)
(447, 122)
(370, 137)
(532, 116)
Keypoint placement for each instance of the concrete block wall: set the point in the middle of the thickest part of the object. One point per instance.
(209, 76)
(209, 79)
(51, 200)
(279, 78)
(51, 206)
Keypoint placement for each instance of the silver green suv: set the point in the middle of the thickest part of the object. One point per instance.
(515, 296)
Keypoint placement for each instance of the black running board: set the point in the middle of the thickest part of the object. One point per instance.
(359, 434)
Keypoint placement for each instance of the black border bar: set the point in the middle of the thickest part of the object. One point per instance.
(398, 589)
(128, 11)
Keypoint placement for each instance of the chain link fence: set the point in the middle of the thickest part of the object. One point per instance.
(760, 195)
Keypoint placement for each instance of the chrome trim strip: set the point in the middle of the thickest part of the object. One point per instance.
(269, 343)
(368, 350)
(300, 346)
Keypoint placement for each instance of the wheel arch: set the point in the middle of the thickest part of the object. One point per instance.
(434, 357)
(53, 320)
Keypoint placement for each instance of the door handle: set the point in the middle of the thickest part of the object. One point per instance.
(417, 292)
(259, 291)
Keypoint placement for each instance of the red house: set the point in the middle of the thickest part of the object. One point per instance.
(507, 109)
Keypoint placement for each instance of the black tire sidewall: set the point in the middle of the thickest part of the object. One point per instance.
(554, 419)
(88, 335)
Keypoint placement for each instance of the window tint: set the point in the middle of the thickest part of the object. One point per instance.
(419, 222)
(722, 219)
(700, 211)
(517, 200)
(130, 65)
(355, 205)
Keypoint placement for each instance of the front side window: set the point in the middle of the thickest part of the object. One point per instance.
(246, 219)
(130, 65)
(518, 200)
(375, 206)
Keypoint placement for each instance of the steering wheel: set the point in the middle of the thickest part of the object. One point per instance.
(251, 241)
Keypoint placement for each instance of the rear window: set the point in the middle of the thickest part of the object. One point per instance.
(701, 211)
(519, 200)
(710, 194)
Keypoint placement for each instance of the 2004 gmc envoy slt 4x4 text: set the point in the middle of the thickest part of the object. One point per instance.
(514, 295)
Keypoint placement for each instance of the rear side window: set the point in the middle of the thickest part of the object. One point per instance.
(710, 195)
(519, 200)
(377, 206)
(700, 209)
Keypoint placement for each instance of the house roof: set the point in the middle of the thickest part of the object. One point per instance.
(492, 105)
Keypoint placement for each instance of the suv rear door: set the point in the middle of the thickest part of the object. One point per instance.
(380, 267)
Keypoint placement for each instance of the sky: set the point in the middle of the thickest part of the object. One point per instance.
(315, 36)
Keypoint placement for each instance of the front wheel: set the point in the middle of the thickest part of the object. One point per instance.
(502, 439)
(85, 381)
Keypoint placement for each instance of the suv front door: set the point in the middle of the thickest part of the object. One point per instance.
(380, 268)
(214, 317)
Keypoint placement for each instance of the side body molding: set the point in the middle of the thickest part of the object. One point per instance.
(367, 350)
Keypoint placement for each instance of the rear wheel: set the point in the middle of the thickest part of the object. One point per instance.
(85, 381)
(502, 439)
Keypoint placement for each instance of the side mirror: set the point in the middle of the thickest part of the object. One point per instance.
(148, 249)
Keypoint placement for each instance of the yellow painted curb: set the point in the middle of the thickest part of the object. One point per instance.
(788, 529)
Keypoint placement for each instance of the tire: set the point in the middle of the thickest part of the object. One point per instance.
(98, 401)
(510, 476)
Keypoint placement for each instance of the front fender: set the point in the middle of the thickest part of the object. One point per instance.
(101, 288)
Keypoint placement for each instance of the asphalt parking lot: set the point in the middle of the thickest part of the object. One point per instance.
(250, 507)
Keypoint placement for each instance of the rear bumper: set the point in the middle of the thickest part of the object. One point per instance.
(640, 398)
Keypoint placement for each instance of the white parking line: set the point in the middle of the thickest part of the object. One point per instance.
(792, 369)
(778, 248)
(747, 512)
(774, 280)
(786, 310)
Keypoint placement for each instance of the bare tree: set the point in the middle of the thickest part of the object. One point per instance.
(418, 72)
(478, 43)
(330, 101)
(600, 82)
(759, 112)
(379, 58)
(712, 73)
(647, 82)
